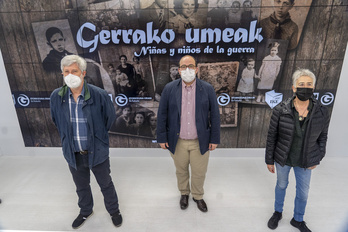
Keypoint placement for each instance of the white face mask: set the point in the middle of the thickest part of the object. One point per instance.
(188, 75)
(72, 81)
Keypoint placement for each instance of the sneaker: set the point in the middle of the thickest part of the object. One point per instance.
(117, 219)
(273, 221)
(78, 222)
(300, 225)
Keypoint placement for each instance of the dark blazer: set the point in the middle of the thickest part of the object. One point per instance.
(207, 115)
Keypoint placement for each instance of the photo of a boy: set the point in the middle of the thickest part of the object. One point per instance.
(56, 40)
(279, 24)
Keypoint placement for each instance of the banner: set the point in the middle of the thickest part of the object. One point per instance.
(247, 50)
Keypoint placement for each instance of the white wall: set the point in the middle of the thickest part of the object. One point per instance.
(337, 142)
(11, 141)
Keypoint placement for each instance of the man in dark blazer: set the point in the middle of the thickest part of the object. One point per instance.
(157, 13)
(188, 125)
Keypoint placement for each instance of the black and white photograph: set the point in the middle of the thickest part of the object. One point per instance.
(247, 78)
(135, 120)
(222, 76)
(270, 60)
(188, 14)
(229, 115)
(284, 19)
(155, 11)
(54, 41)
(130, 75)
(232, 14)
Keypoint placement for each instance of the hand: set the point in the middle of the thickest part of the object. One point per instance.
(271, 168)
(212, 146)
(164, 145)
(311, 168)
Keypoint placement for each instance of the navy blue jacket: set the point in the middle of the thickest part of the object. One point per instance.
(207, 115)
(100, 113)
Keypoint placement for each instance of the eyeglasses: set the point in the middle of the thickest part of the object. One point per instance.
(191, 66)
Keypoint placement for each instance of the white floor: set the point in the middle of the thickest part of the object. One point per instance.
(38, 194)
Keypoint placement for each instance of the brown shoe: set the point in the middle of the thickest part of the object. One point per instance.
(201, 205)
(184, 202)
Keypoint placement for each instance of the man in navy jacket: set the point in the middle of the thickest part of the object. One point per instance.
(188, 125)
(83, 114)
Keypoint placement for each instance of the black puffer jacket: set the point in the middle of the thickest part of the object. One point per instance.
(282, 129)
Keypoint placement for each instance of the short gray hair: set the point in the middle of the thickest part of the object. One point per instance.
(70, 59)
(303, 72)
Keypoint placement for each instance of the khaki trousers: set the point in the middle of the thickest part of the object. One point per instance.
(187, 154)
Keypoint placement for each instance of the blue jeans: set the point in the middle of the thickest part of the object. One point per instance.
(303, 178)
(81, 177)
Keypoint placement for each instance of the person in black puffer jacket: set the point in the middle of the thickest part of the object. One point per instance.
(296, 139)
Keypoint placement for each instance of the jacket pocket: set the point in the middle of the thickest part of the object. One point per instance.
(102, 137)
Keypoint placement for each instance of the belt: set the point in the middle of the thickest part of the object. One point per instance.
(81, 152)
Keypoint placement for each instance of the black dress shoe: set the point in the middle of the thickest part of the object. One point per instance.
(300, 225)
(201, 205)
(273, 221)
(184, 201)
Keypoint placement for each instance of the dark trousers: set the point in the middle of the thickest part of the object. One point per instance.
(81, 177)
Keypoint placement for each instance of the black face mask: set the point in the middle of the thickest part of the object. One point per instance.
(304, 93)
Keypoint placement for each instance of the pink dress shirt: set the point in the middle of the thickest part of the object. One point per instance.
(188, 128)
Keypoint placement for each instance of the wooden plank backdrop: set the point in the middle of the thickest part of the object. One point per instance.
(321, 48)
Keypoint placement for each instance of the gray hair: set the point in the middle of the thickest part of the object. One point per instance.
(303, 72)
(71, 59)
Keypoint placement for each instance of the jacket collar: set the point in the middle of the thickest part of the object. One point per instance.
(62, 92)
(288, 104)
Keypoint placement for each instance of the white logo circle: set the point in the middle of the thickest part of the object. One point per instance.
(121, 100)
(23, 100)
(223, 99)
(327, 98)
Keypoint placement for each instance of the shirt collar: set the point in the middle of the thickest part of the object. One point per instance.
(81, 94)
(193, 85)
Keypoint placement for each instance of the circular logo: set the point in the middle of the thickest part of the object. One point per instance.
(121, 100)
(327, 98)
(23, 100)
(223, 99)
